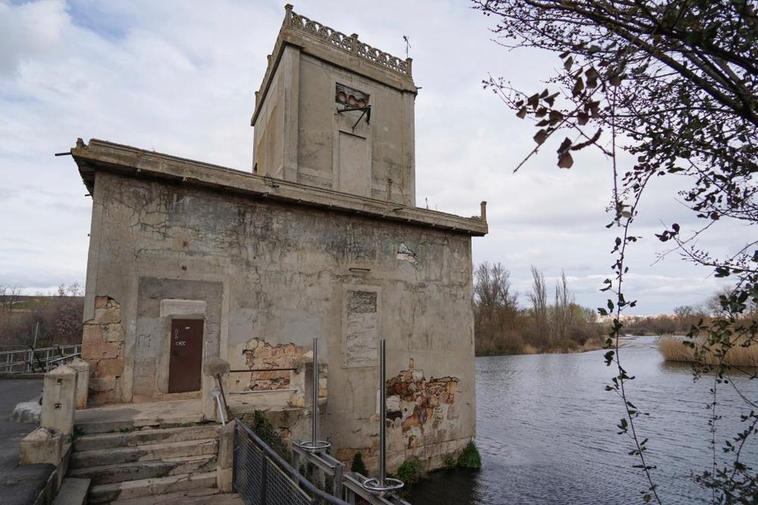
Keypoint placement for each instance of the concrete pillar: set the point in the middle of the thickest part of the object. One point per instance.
(41, 446)
(58, 400)
(208, 402)
(82, 381)
(225, 461)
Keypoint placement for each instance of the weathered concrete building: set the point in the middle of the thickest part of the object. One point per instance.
(190, 261)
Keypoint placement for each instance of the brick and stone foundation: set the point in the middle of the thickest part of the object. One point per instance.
(103, 349)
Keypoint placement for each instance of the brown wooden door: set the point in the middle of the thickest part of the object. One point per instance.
(186, 355)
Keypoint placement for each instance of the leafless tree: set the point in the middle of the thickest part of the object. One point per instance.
(538, 300)
(563, 309)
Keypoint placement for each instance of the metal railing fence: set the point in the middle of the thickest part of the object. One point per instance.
(36, 360)
(263, 477)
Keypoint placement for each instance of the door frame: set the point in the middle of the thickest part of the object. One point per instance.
(178, 309)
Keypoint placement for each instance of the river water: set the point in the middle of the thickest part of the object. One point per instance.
(546, 431)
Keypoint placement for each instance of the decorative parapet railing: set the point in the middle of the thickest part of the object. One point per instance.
(348, 43)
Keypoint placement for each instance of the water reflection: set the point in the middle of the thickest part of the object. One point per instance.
(546, 431)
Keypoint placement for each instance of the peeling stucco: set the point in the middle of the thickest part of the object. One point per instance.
(404, 253)
(418, 406)
(261, 354)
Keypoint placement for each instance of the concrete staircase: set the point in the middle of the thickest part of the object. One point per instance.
(139, 462)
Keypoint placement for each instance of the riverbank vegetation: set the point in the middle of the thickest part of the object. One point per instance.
(412, 471)
(501, 326)
(469, 457)
(687, 336)
(742, 354)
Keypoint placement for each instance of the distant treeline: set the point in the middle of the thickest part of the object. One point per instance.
(56, 319)
(502, 327)
(683, 318)
(661, 325)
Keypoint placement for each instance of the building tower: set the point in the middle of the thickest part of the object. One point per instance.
(336, 113)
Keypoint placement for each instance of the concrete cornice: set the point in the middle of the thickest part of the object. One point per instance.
(129, 161)
(327, 44)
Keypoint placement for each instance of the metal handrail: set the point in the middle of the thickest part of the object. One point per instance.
(223, 407)
(255, 370)
(323, 462)
(286, 467)
(61, 358)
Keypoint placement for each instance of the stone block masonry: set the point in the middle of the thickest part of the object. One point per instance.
(59, 400)
(103, 349)
(261, 355)
(82, 381)
(422, 409)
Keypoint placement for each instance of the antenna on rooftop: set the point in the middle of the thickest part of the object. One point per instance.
(407, 44)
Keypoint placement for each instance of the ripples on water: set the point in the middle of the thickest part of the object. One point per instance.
(546, 430)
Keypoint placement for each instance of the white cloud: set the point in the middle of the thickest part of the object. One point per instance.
(179, 77)
(28, 30)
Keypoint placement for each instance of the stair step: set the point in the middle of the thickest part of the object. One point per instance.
(144, 437)
(90, 427)
(107, 493)
(109, 474)
(150, 452)
(72, 492)
(194, 497)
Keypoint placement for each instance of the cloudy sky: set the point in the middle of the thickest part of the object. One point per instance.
(178, 77)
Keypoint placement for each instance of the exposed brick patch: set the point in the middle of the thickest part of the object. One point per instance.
(103, 349)
(261, 354)
(421, 408)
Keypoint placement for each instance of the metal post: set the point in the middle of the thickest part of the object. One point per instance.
(382, 411)
(382, 484)
(314, 395)
(314, 444)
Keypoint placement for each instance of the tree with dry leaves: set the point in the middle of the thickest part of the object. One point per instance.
(661, 88)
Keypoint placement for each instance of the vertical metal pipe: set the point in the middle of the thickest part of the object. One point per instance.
(382, 410)
(314, 395)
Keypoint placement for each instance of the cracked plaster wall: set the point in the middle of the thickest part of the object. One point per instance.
(283, 275)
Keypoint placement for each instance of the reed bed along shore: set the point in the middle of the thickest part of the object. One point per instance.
(673, 349)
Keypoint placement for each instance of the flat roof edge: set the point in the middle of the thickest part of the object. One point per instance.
(127, 160)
